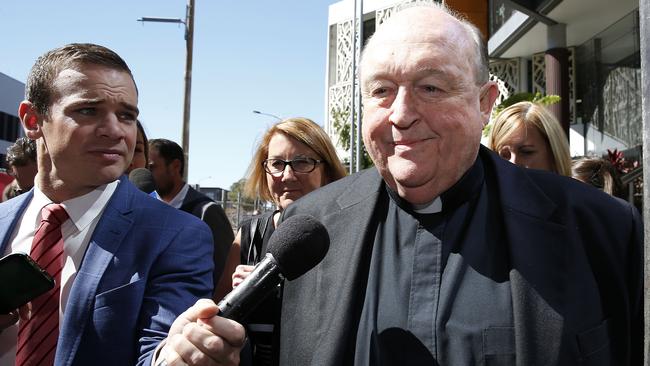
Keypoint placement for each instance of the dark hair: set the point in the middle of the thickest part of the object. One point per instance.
(144, 140)
(38, 89)
(169, 150)
(22, 152)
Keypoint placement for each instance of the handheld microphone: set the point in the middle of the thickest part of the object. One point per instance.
(296, 246)
(142, 178)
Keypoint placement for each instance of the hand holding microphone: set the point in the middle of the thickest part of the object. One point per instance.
(296, 246)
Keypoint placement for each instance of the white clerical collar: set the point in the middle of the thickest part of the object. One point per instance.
(434, 206)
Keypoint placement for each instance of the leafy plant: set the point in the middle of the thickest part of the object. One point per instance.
(526, 97)
(520, 97)
(236, 188)
(618, 161)
(340, 122)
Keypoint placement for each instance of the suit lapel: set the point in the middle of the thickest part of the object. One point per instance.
(535, 235)
(9, 215)
(187, 199)
(109, 233)
(342, 277)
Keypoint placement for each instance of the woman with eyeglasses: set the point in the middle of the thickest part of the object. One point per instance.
(294, 158)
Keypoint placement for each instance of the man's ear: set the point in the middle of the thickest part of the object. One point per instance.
(30, 120)
(176, 166)
(488, 95)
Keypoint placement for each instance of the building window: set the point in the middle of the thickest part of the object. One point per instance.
(9, 127)
(608, 73)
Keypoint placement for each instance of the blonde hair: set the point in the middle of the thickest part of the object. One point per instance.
(303, 130)
(532, 114)
(599, 173)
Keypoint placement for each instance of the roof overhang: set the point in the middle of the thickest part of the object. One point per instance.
(525, 33)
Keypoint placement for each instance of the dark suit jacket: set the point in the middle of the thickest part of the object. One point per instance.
(145, 264)
(212, 214)
(575, 270)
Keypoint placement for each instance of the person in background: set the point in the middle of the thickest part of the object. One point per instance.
(599, 173)
(7, 184)
(167, 164)
(10, 191)
(294, 157)
(21, 160)
(528, 135)
(129, 271)
(141, 154)
(443, 253)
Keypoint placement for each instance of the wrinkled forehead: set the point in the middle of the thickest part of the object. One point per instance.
(420, 26)
(89, 79)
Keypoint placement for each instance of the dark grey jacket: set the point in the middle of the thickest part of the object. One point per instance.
(212, 214)
(575, 268)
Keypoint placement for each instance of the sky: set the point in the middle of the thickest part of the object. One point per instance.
(248, 55)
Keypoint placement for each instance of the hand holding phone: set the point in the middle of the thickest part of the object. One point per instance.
(22, 280)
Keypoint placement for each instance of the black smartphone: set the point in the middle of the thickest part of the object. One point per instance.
(22, 280)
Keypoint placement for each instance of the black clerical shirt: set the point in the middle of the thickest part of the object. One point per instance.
(438, 290)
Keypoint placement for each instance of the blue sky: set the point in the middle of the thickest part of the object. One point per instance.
(248, 55)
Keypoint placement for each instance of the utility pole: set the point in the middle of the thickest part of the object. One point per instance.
(359, 13)
(189, 46)
(644, 27)
(354, 88)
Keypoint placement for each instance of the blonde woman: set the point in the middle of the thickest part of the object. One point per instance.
(294, 158)
(528, 135)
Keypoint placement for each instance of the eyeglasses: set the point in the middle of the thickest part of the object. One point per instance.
(276, 167)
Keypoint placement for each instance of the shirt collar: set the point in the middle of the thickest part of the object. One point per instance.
(462, 191)
(84, 209)
(177, 201)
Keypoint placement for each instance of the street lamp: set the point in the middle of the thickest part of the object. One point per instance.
(189, 44)
(268, 114)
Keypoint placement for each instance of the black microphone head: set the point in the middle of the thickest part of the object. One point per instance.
(298, 245)
(142, 178)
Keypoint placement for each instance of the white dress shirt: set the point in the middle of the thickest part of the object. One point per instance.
(84, 212)
(177, 201)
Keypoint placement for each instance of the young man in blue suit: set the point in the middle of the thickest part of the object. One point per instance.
(129, 265)
(445, 254)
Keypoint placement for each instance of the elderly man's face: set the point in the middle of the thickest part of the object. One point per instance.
(423, 110)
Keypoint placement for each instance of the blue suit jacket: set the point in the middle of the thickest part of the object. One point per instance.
(145, 264)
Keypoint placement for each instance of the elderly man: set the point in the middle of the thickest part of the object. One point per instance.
(445, 254)
(126, 266)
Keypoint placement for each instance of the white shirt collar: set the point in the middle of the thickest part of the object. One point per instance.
(434, 206)
(82, 210)
(177, 201)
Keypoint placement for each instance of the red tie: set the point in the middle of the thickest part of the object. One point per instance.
(37, 337)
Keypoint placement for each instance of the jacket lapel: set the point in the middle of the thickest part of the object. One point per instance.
(535, 234)
(9, 215)
(109, 233)
(344, 272)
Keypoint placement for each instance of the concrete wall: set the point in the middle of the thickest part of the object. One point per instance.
(13, 92)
